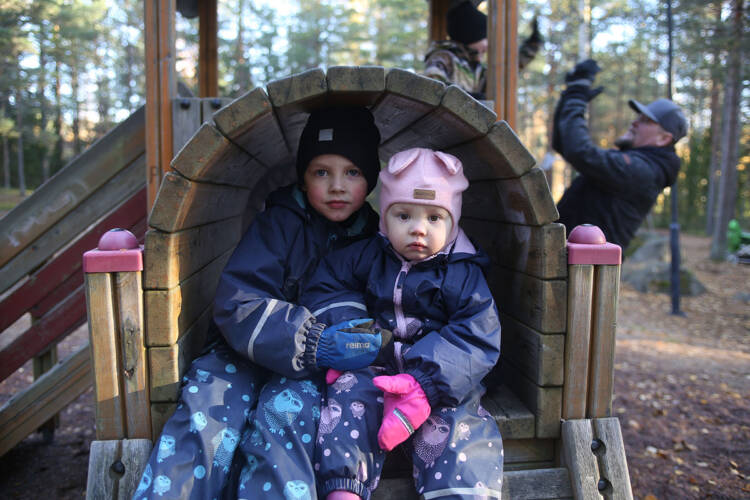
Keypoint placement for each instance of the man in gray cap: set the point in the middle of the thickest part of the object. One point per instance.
(616, 188)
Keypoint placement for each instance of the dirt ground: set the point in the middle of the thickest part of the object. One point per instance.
(682, 393)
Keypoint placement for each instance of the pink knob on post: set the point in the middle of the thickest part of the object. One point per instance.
(118, 251)
(587, 245)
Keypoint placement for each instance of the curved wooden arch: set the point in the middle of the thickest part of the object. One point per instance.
(223, 174)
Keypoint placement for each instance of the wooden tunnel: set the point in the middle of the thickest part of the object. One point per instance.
(219, 181)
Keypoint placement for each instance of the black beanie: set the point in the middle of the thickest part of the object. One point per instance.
(466, 24)
(349, 132)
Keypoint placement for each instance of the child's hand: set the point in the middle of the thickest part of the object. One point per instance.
(351, 345)
(405, 409)
(332, 375)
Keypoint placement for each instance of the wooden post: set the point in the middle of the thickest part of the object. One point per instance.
(114, 299)
(437, 24)
(161, 86)
(502, 58)
(208, 61)
(593, 284)
(42, 364)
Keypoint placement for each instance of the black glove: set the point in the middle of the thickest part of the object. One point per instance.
(584, 73)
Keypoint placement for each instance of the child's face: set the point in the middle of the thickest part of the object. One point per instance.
(335, 186)
(417, 231)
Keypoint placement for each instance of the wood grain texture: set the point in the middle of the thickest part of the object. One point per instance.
(134, 456)
(613, 464)
(249, 122)
(603, 326)
(105, 356)
(577, 340)
(211, 157)
(182, 203)
(100, 484)
(539, 356)
(170, 312)
(544, 402)
(513, 419)
(523, 200)
(497, 155)
(535, 250)
(129, 293)
(577, 436)
(407, 98)
(186, 119)
(540, 304)
(355, 85)
(168, 364)
(171, 257)
(29, 408)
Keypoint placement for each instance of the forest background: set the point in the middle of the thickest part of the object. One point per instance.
(71, 69)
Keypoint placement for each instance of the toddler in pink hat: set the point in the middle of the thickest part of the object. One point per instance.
(421, 282)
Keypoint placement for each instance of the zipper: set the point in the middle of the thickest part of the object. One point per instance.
(398, 290)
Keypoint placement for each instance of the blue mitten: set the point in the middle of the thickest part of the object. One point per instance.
(351, 345)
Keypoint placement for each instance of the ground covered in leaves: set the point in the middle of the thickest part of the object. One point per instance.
(682, 393)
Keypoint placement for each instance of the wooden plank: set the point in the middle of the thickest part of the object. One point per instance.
(186, 119)
(437, 24)
(170, 312)
(408, 98)
(249, 122)
(497, 155)
(121, 187)
(540, 304)
(53, 326)
(210, 157)
(457, 119)
(355, 85)
(577, 436)
(172, 257)
(603, 326)
(208, 54)
(524, 200)
(182, 204)
(100, 483)
(129, 295)
(535, 250)
(134, 457)
(293, 98)
(613, 464)
(28, 409)
(526, 451)
(89, 171)
(57, 295)
(105, 356)
(160, 413)
(513, 419)
(168, 364)
(540, 357)
(65, 266)
(209, 105)
(577, 340)
(544, 402)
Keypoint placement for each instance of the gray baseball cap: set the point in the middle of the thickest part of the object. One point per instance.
(666, 113)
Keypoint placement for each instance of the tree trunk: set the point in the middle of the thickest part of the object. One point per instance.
(76, 110)
(19, 124)
(730, 137)
(57, 153)
(41, 99)
(6, 149)
(714, 166)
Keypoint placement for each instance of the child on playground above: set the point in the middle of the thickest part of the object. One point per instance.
(217, 439)
(422, 279)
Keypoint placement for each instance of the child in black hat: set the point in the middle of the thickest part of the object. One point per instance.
(249, 406)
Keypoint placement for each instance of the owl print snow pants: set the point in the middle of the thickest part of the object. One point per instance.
(456, 453)
(194, 454)
(277, 449)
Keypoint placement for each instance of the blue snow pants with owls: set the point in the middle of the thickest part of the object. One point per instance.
(278, 449)
(194, 454)
(456, 453)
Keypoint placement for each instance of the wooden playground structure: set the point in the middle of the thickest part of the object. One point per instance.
(210, 164)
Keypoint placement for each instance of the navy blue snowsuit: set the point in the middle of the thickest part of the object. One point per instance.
(257, 359)
(445, 318)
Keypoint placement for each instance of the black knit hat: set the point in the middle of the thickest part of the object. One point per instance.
(466, 24)
(349, 132)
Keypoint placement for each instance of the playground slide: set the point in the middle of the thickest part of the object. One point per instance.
(41, 243)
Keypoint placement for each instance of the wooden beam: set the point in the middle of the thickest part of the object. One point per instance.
(208, 62)
(161, 87)
(438, 26)
(502, 58)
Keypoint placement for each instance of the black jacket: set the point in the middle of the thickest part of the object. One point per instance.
(616, 189)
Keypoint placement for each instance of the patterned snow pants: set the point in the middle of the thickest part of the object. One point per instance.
(194, 454)
(456, 453)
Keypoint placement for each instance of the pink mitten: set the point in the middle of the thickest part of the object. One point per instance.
(332, 375)
(405, 408)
